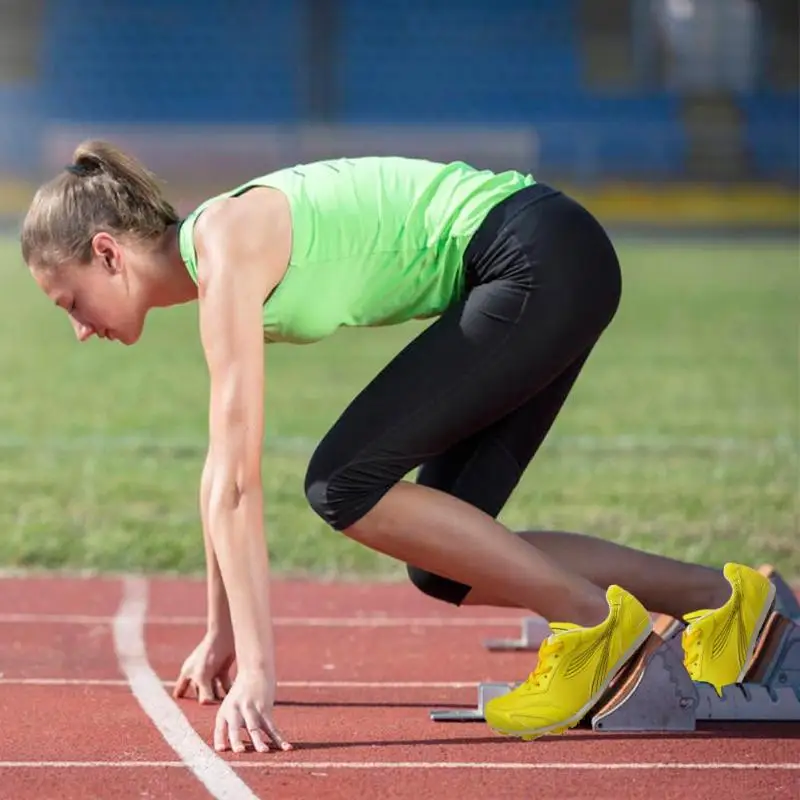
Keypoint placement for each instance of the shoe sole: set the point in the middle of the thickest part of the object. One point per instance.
(756, 631)
(565, 725)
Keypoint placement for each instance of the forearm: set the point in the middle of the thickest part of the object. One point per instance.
(236, 532)
(219, 615)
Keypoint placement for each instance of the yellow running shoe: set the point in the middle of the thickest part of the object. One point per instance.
(574, 668)
(718, 644)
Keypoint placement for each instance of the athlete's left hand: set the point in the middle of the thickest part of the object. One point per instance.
(207, 669)
(249, 705)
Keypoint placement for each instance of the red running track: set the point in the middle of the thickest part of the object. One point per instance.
(361, 665)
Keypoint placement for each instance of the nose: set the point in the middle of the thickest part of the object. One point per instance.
(82, 332)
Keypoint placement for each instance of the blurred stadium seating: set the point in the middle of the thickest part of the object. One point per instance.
(674, 118)
(583, 92)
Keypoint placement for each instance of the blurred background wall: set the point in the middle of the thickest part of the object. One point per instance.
(674, 120)
(655, 111)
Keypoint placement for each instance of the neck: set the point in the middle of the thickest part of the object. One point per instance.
(172, 284)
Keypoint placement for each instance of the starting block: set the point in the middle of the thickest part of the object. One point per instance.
(655, 692)
(534, 630)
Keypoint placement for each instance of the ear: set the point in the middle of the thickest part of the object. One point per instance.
(108, 251)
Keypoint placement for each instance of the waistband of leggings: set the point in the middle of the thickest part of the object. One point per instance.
(503, 213)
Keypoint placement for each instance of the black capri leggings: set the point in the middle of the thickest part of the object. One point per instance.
(471, 399)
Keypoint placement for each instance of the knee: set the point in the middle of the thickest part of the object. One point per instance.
(317, 487)
(437, 587)
(341, 492)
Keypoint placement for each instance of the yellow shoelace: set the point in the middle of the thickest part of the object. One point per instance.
(692, 638)
(549, 651)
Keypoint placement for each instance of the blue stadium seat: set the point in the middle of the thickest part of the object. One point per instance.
(772, 133)
(510, 62)
(593, 136)
(20, 121)
(405, 61)
(480, 62)
(164, 61)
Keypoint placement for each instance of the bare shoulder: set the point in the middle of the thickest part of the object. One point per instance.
(250, 232)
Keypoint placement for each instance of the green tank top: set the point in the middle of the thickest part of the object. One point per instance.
(375, 241)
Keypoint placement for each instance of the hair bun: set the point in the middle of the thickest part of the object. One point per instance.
(87, 164)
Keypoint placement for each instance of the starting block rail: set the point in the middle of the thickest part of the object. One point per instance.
(655, 693)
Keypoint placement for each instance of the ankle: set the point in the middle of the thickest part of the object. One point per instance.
(713, 594)
(719, 593)
(590, 612)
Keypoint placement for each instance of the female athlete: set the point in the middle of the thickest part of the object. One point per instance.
(520, 282)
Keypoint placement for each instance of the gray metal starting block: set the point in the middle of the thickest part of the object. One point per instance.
(655, 692)
(786, 602)
(534, 630)
(486, 691)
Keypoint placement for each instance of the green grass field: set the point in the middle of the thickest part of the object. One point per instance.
(681, 436)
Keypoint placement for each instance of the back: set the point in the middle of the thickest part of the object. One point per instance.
(376, 241)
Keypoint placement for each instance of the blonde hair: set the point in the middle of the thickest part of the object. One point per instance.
(103, 189)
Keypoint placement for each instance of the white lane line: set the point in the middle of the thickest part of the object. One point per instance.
(540, 766)
(113, 682)
(287, 622)
(213, 772)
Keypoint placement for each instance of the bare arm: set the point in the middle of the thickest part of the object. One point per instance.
(238, 269)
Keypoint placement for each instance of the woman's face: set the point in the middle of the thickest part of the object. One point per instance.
(101, 297)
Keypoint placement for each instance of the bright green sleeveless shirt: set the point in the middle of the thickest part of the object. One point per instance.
(375, 241)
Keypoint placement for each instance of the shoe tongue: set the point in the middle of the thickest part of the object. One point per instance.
(693, 615)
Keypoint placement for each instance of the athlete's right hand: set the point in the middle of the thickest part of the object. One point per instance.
(206, 672)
